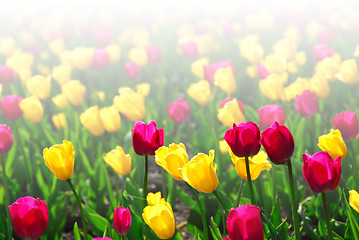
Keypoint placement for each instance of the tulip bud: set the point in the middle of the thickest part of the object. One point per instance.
(224, 79)
(143, 89)
(119, 161)
(32, 108)
(347, 123)
(153, 198)
(189, 50)
(179, 111)
(200, 92)
(29, 217)
(74, 91)
(354, 200)
(6, 139)
(197, 67)
(262, 72)
(223, 146)
(114, 52)
(138, 55)
(59, 120)
(307, 103)
(321, 172)
(100, 59)
(7, 75)
(348, 72)
(270, 114)
(132, 69)
(62, 73)
(59, 100)
(146, 138)
(10, 107)
(333, 143)
(92, 121)
(122, 220)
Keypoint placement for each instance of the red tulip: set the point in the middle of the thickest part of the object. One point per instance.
(146, 138)
(132, 69)
(189, 50)
(262, 72)
(122, 220)
(243, 139)
(270, 114)
(7, 75)
(244, 223)
(10, 107)
(29, 217)
(210, 70)
(347, 123)
(278, 143)
(100, 59)
(321, 172)
(321, 51)
(307, 103)
(6, 140)
(179, 111)
(154, 53)
(240, 104)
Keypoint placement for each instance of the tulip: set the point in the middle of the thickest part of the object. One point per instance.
(60, 100)
(243, 139)
(82, 57)
(146, 138)
(224, 78)
(223, 146)
(172, 159)
(307, 103)
(319, 85)
(114, 52)
(57, 46)
(200, 92)
(262, 72)
(32, 108)
(60, 159)
(39, 86)
(347, 123)
(296, 88)
(329, 67)
(154, 53)
(275, 64)
(244, 223)
(179, 111)
(286, 48)
(92, 121)
(110, 119)
(270, 114)
(321, 172)
(278, 143)
(189, 50)
(197, 67)
(354, 200)
(59, 120)
(74, 91)
(257, 164)
(6, 139)
(349, 72)
(272, 87)
(104, 35)
(29, 217)
(100, 59)
(132, 69)
(62, 73)
(122, 220)
(333, 143)
(119, 161)
(7, 75)
(153, 198)
(210, 71)
(143, 89)
(138, 55)
(101, 95)
(200, 173)
(322, 51)
(232, 111)
(251, 49)
(130, 104)
(10, 107)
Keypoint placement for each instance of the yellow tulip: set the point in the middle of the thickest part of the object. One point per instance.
(7, 46)
(275, 64)
(138, 55)
(272, 87)
(153, 198)
(329, 67)
(354, 200)
(20, 60)
(60, 159)
(59, 120)
(257, 164)
(32, 108)
(130, 104)
(101, 96)
(223, 146)
(114, 52)
(172, 158)
(252, 71)
(200, 172)
(231, 113)
(62, 73)
(119, 161)
(143, 89)
(333, 143)
(286, 48)
(296, 88)
(57, 46)
(110, 118)
(197, 67)
(43, 69)
(24, 74)
(160, 219)
(224, 78)
(200, 92)
(82, 57)
(319, 85)
(92, 121)
(250, 49)
(292, 67)
(39, 86)
(292, 34)
(74, 91)
(348, 72)
(60, 100)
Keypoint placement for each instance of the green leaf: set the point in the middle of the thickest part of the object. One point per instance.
(111, 195)
(216, 233)
(76, 232)
(95, 219)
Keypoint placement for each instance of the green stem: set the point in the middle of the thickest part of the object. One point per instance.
(327, 220)
(164, 183)
(249, 179)
(7, 200)
(239, 193)
(294, 200)
(220, 201)
(80, 206)
(145, 176)
(203, 213)
(354, 162)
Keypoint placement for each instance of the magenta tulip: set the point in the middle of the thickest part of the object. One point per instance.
(179, 111)
(189, 50)
(347, 123)
(262, 72)
(210, 70)
(10, 107)
(270, 114)
(146, 138)
(321, 172)
(7, 75)
(321, 51)
(29, 217)
(154, 53)
(132, 69)
(244, 223)
(100, 59)
(6, 139)
(307, 103)
(122, 220)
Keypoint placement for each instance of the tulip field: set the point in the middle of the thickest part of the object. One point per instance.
(220, 120)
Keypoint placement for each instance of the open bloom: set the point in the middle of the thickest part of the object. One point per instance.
(122, 220)
(146, 138)
(231, 111)
(333, 143)
(119, 161)
(6, 139)
(307, 103)
(179, 111)
(60, 159)
(200, 172)
(321, 172)
(354, 200)
(172, 159)
(244, 223)
(347, 123)
(243, 139)
(10, 107)
(270, 114)
(29, 217)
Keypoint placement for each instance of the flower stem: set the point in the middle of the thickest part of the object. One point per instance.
(249, 179)
(220, 201)
(80, 206)
(203, 213)
(327, 220)
(294, 200)
(239, 193)
(145, 176)
(7, 200)
(355, 167)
